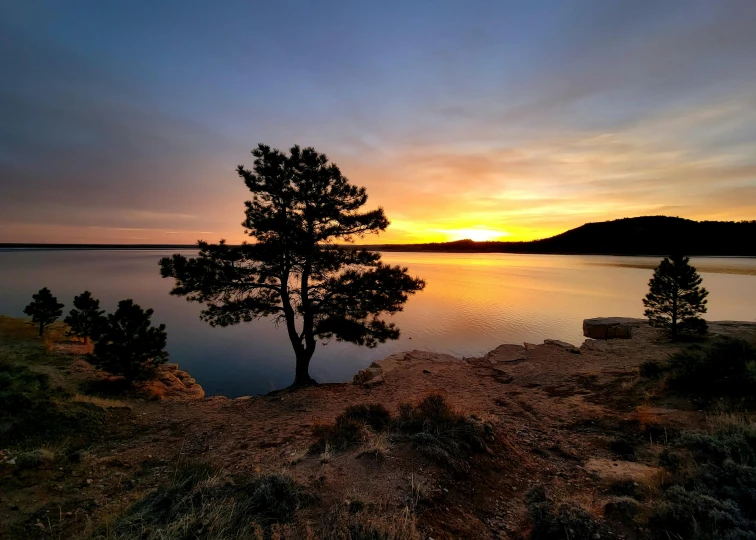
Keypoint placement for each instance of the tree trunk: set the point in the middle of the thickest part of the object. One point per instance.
(302, 375)
(41, 329)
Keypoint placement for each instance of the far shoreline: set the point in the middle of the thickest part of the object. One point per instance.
(382, 248)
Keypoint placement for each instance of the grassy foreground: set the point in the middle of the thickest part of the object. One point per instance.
(638, 439)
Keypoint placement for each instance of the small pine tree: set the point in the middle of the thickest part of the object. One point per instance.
(676, 298)
(128, 345)
(86, 317)
(44, 309)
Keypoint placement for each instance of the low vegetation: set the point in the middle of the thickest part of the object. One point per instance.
(32, 410)
(201, 503)
(726, 366)
(432, 426)
(558, 522)
(710, 492)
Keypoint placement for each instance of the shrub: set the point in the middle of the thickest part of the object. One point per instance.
(698, 516)
(725, 366)
(342, 435)
(651, 369)
(200, 504)
(374, 415)
(441, 433)
(350, 427)
(128, 345)
(550, 522)
(716, 497)
(432, 426)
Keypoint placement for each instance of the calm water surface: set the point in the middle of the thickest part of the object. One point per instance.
(472, 303)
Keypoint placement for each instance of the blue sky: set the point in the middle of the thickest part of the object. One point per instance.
(124, 121)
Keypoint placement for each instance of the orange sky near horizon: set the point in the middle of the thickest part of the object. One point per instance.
(124, 123)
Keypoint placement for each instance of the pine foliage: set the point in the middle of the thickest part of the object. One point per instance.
(675, 298)
(295, 272)
(86, 317)
(44, 309)
(128, 345)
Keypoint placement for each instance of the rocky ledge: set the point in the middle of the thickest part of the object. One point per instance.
(173, 384)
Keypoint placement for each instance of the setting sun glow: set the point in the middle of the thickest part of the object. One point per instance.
(477, 234)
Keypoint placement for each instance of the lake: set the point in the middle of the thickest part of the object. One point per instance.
(472, 303)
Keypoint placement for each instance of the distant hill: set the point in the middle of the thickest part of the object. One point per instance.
(647, 235)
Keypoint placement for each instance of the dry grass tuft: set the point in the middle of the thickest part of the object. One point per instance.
(104, 403)
(343, 523)
(378, 446)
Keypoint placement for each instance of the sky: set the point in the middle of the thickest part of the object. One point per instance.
(123, 122)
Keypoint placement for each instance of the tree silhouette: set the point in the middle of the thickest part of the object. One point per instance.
(44, 309)
(675, 297)
(86, 317)
(295, 273)
(128, 345)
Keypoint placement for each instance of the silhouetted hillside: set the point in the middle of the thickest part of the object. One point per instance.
(648, 235)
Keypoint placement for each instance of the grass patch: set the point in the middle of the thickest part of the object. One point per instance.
(353, 522)
(201, 503)
(32, 410)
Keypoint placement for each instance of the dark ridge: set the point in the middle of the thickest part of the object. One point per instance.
(647, 235)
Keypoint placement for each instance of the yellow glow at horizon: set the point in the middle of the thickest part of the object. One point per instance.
(476, 234)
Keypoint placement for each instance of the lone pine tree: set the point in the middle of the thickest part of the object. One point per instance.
(128, 345)
(44, 309)
(676, 298)
(86, 317)
(295, 272)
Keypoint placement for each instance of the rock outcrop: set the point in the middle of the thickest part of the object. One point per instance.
(173, 384)
(610, 327)
(507, 353)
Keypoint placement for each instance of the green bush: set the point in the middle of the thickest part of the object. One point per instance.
(727, 366)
